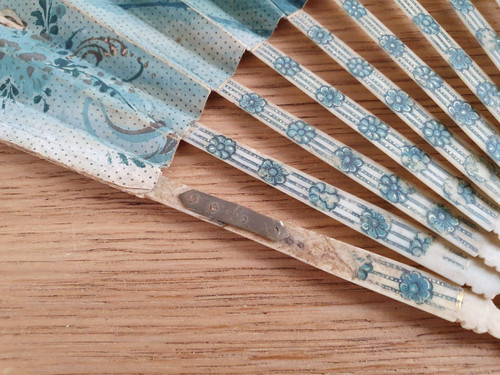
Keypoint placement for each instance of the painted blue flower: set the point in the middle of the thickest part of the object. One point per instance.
(427, 78)
(399, 101)
(349, 162)
(301, 132)
(354, 8)
(463, 6)
(420, 244)
(252, 103)
(488, 93)
(329, 97)
(374, 224)
(364, 270)
(488, 39)
(48, 16)
(272, 172)
(320, 35)
(459, 191)
(478, 168)
(463, 112)
(459, 60)
(436, 133)
(426, 23)
(19, 77)
(441, 220)
(414, 158)
(394, 189)
(415, 287)
(467, 192)
(493, 147)
(8, 92)
(287, 66)
(323, 196)
(359, 67)
(392, 45)
(373, 128)
(222, 147)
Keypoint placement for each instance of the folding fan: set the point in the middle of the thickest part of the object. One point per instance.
(134, 95)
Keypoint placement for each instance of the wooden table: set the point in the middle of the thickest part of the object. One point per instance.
(95, 281)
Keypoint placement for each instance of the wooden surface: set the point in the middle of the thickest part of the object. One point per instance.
(95, 281)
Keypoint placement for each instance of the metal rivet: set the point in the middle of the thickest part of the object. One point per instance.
(193, 197)
(214, 207)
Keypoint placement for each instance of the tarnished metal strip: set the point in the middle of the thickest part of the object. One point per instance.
(225, 212)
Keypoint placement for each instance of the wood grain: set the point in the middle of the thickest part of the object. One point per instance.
(95, 281)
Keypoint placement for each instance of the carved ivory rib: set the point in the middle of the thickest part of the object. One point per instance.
(113, 102)
(476, 126)
(39, 134)
(122, 134)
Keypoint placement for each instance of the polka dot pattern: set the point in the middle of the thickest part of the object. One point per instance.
(45, 77)
(90, 38)
(40, 134)
(250, 22)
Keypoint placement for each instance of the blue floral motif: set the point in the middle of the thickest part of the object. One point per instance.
(392, 45)
(414, 158)
(48, 16)
(124, 159)
(488, 93)
(394, 189)
(354, 8)
(374, 224)
(329, 97)
(373, 128)
(323, 196)
(415, 287)
(466, 191)
(459, 60)
(320, 35)
(420, 244)
(364, 270)
(441, 220)
(493, 147)
(349, 162)
(426, 23)
(399, 101)
(463, 112)
(301, 132)
(359, 67)
(109, 87)
(19, 76)
(252, 103)
(8, 92)
(427, 78)
(458, 191)
(463, 6)
(436, 133)
(272, 172)
(477, 168)
(488, 39)
(222, 147)
(287, 66)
